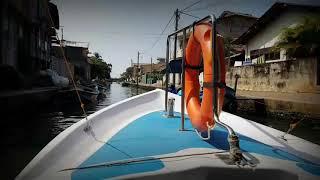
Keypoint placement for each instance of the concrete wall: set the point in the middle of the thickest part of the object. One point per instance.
(286, 76)
(58, 65)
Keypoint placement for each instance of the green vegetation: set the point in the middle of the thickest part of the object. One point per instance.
(99, 68)
(128, 74)
(228, 46)
(303, 39)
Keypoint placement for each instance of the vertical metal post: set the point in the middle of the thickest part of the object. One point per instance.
(216, 77)
(214, 64)
(61, 32)
(183, 78)
(167, 75)
(237, 76)
(175, 44)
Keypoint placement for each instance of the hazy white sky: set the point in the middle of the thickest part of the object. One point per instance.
(118, 29)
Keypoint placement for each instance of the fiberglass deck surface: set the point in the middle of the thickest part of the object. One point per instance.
(154, 134)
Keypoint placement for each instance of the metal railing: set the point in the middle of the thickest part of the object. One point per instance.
(235, 152)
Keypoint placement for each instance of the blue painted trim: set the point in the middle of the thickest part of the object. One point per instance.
(153, 134)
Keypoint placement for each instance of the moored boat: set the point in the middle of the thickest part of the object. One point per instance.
(87, 94)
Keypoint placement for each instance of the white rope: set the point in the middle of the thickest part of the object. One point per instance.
(88, 126)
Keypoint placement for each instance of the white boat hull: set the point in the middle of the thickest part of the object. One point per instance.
(77, 144)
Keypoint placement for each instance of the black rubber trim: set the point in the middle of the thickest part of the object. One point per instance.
(193, 67)
(220, 85)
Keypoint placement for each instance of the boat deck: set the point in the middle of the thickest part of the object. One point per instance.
(155, 135)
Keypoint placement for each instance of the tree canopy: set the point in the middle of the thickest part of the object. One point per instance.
(99, 68)
(127, 74)
(302, 39)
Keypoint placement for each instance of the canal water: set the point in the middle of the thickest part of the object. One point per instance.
(25, 132)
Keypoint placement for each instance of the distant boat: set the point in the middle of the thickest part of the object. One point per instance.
(124, 84)
(102, 91)
(87, 94)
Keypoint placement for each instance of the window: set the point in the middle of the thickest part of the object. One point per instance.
(272, 55)
(268, 53)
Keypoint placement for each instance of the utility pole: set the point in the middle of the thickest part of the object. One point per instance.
(138, 69)
(61, 40)
(61, 31)
(151, 65)
(175, 43)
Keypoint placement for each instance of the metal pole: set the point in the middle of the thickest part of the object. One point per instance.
(236, 83)
(137, 75)
(61, 33)
(214, 64)
(183, 78)
(151, 66)
(216, 77)
(167, 75)
(175, 43)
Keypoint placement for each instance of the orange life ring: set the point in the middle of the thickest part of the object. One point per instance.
(201, 115)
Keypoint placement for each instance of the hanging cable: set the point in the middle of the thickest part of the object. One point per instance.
(69, 71)
(191, 5)
(189, 15)
(155, 43)
(157, 40)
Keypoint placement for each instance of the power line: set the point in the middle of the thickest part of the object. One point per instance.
(189, 15)
(191, 5)
(154, 44)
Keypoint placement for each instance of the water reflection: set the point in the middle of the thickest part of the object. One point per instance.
(27, 131)
(67, 114)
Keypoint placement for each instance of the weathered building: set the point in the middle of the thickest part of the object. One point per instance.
(148, 73)
(263, 35)
(26, 33)
(78, 62)
(286, 83)
(233, 24)
(27, 28)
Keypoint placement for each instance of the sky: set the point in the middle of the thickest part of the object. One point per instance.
(118, 29)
